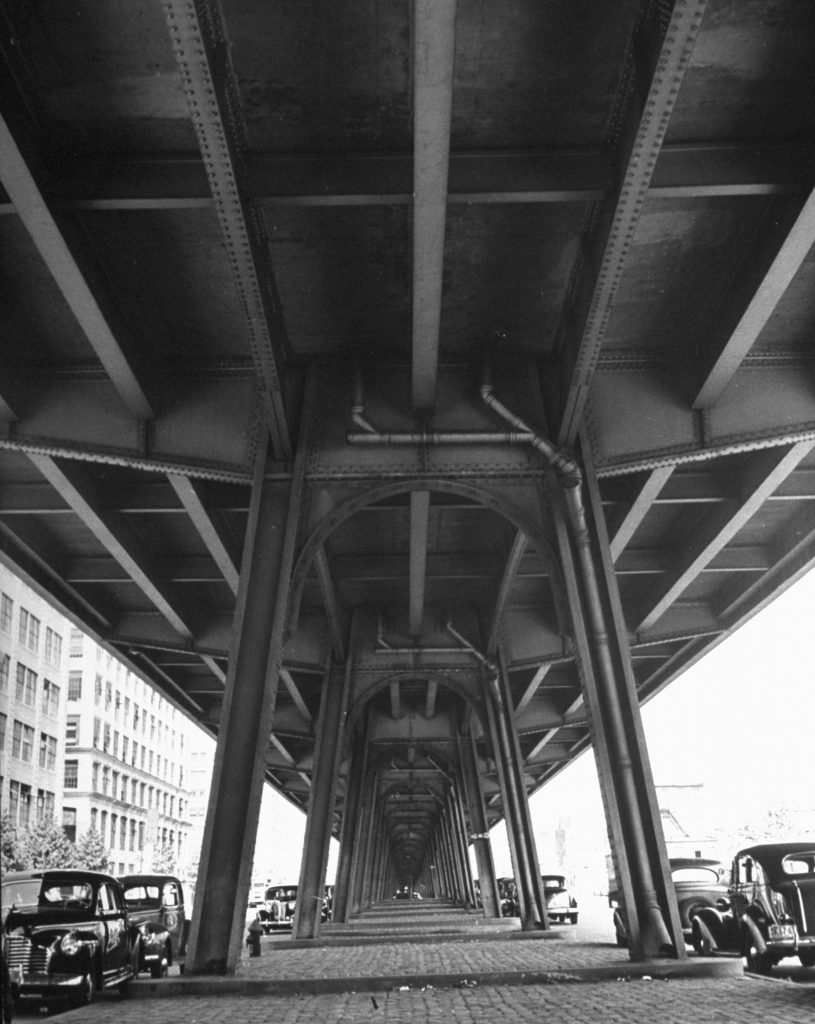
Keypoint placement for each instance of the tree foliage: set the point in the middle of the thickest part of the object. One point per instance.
(8, 844)
(91, 852)
(164, 860)
(44, 845)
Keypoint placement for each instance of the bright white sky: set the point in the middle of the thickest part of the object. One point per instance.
(741, 721)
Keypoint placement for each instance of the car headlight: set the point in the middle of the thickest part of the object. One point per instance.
(70, 944)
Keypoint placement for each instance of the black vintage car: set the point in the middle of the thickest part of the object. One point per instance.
(772, 908)
(699, 883)
(561, 903)
(66, 934)
(155, 905)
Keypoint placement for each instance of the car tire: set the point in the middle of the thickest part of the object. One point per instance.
(700, 941)
(807, 958)
(86, 994)
(757, 962)
(160, 969)
(572, 918)
(621, 940)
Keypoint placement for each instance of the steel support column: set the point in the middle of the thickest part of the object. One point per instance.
(349, 840)
(518, 822)
(488, 887)
(626, 783)
(228, 847)
(460, 831)
(327, 751)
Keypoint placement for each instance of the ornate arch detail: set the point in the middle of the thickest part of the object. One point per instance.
(348, 508)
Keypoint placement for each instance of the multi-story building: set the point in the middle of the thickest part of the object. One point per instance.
(84, 737)
(125, 754)
(32, 703)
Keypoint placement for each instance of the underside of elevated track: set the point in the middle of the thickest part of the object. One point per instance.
(409, 389)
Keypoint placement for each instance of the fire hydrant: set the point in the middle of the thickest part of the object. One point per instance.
(253, 937)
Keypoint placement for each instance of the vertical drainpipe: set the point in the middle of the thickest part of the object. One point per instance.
(571, 479)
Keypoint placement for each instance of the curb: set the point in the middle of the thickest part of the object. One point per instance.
(167, 988)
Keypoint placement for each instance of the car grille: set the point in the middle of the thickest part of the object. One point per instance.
(21, 952)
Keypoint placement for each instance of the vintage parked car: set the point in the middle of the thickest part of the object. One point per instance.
(281, 901)
(561, 905)
(155, 905)
(698, 882)
(66, 935)
(508, 896)
(772, 908)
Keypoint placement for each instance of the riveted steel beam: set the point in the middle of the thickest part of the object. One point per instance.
(190, 498)
(728, 356)
(659, 57)
(433, 52)
(724, 523)
(199, 43)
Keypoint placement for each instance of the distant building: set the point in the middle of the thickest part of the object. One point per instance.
(33, 659)
(86, 739)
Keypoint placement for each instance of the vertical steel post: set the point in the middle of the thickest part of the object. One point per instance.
(349, 839)
(230, 830)
(518, 822)
(488, 887)
(327, 751)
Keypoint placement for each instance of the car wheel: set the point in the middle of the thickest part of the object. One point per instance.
(807, 958)
(700, 941)
(621, 940)
(757, 961)
(160, 969)
(572, 918)
(87, 988)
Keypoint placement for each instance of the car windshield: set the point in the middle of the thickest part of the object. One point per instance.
(799, 863)
(554, 882)
(284, 893)
(34, 893)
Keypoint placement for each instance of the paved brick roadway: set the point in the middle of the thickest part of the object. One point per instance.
(680, 1001)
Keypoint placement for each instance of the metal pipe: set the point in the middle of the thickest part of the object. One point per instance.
(571, 477)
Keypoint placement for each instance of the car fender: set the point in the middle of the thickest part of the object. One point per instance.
(749, 926)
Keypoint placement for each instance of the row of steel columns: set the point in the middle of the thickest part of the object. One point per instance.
(365, 871)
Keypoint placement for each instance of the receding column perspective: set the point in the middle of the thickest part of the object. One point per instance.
(407, 393)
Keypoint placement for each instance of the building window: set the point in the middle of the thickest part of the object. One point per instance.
(29, 635)
(22, 741)
(106, 739)
(106, 780)
(76, 643)
(122, 832)
(97, 731)
(24, 818)
(125, 748)
(94, 819)
(50, 698)
(45, 804)
(72, 731)
(26, 689)
(5, 668)
(6, 611)
(108, 695)
(69, 823)
(132, 843)
(123, 797)
(95, 777)
(114, 822)
(48, 751)
(103, 826)
(53, 647)
(71, 778)
(115, 743)
(74, 685)
(97, 693)
(115, 787)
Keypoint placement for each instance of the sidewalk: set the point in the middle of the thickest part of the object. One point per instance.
(444, 966)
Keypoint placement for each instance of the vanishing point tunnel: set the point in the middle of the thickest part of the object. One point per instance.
(409, 390)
